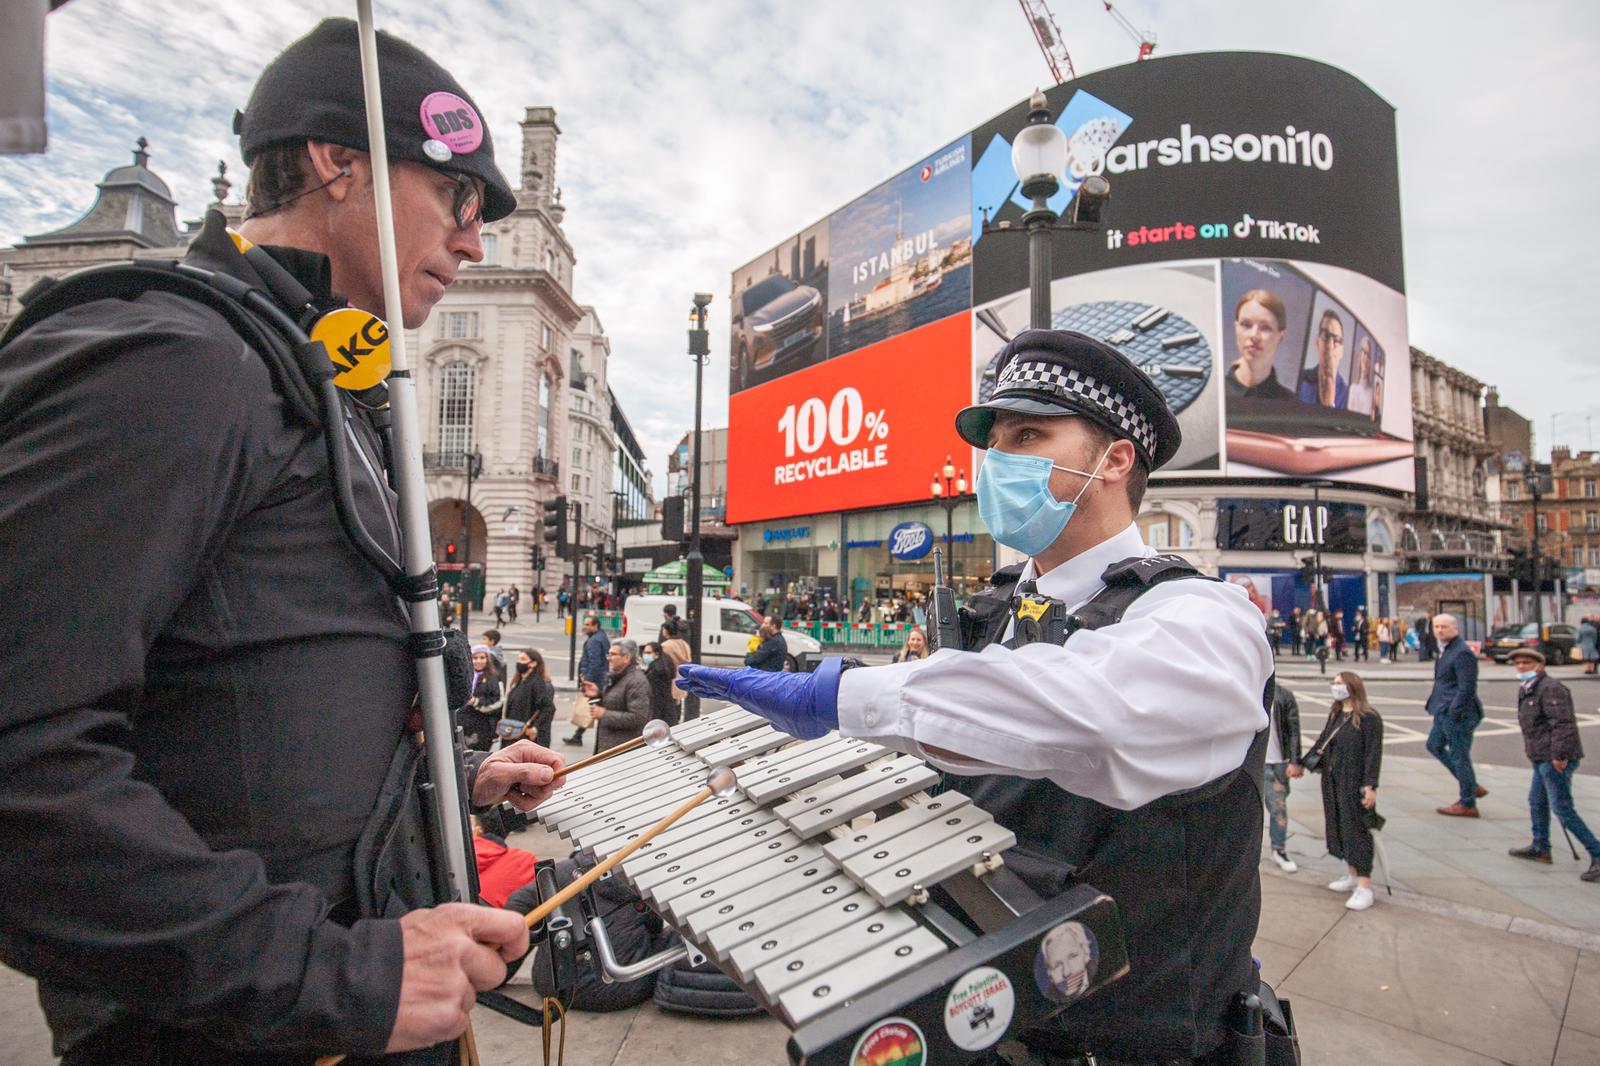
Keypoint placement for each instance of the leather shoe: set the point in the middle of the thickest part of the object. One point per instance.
(1530, 854)
(1592, 873)
(1459, 810)
(1480, 792)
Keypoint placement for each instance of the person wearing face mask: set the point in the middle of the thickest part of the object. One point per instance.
(1348, 755)
(659, 671)
(1550, 738)
(531, 699)
(1126, 753)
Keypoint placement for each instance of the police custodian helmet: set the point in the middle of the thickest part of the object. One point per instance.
(312, 92)
(1062, 372)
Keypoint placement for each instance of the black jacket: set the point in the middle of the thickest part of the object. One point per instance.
(1286, 716)
(533, 701)
(769, 655)
(180, 820)
(1549, 730)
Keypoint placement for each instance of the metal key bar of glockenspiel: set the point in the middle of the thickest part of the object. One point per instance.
(622, 796)
(720, 730)
(739, 748)
(730, 814)
(699, 915)
(899, 848)
(897, 881)
(850, 797)
(762, 875)
(673, 892)
(827, 790)
(840, 983)
(742, 926)
(913, 815)
(614, 835)
(584, 788)
(776, 785)
(774, 942)
(832, 949)
(799, 754)
(584, 830)
(677, 856)
(725, 856)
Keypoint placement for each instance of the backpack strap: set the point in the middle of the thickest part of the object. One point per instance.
(1125, 582)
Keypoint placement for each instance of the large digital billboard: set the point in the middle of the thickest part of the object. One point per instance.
(1251, 265)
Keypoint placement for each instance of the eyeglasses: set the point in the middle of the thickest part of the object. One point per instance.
(467, 203)
(1327, 335)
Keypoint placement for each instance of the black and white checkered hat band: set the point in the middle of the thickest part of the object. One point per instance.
(1079, 388)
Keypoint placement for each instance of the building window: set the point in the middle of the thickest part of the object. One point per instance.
(1542, 522)
(550, 260)
(545, 418)
(1513, 491)
(491, 250)
(1594, 556)
(455, 408)
(1591, 522)
(574, 483)
(458, 325)
(545, 336)
(1588, 488)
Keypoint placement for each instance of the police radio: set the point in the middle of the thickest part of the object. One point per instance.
(944, 627)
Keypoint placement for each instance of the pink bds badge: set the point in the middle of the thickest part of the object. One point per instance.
(447, 117)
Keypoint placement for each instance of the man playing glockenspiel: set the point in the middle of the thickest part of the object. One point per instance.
(1125, 747)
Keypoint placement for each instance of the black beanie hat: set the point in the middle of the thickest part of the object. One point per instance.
(312, 92)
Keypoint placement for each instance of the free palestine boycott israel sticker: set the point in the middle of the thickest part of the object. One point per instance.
(892, 1042)
(978, 1009)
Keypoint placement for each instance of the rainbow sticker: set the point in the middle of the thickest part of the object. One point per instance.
(892, 1042)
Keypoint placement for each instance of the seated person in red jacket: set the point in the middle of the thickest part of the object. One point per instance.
(502, 869)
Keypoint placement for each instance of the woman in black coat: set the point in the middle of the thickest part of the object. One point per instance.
(1351, 746)
(532, 699)
(479, 716)
(659, 670)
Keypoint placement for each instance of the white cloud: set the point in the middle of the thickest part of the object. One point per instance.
(698, 135)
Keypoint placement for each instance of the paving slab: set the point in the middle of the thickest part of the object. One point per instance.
(591, 1039)
(24, 1038)
(1577, 1049)
(658, 1037)
(1583, 1005)
(1575, 903)
(1478, 989)
(1278, 961)
(1331, 1036)
(1295, 915)
(1460, 889)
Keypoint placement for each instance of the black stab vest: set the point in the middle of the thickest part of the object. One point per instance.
(1182, 869)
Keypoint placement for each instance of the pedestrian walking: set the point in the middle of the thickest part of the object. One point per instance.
(513, 597)
(531, 699)
(479, 716)
(1360, 633)
(501, 601)
(677, 652)
(1385, 641)
(1589, 643)
(1456, 711)
(1349, 755)
(660, 671)
(1550, 739)
(1282, 766)
(593, 668)
(1296, 627)
(622, 704)
(915, 647)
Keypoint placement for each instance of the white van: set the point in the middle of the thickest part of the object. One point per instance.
(725, 630)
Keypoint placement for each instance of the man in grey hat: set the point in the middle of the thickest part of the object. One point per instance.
(1550, 738)
(623, 705)
(199, 868)
(1126, 753)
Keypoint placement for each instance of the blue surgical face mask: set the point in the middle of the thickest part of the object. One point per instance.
(1526, 675)
(1015, 502)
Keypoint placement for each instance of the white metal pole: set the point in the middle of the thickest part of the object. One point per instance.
(417, 545)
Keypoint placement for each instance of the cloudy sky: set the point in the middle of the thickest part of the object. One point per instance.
(697, 134)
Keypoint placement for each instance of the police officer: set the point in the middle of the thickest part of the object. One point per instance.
(1128, 757)
(200, 739)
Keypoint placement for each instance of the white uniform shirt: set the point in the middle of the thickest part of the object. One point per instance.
(1167, 699)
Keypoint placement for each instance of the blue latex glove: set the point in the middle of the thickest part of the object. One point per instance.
(803, 705)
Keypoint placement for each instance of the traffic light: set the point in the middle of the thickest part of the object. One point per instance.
(536, 558)
(672, 518)
(555, 524)
(450, 552)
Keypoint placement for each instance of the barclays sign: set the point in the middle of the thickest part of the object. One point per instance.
(910, 541)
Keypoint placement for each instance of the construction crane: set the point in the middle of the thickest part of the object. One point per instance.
(1048, 34)
(1146, 40)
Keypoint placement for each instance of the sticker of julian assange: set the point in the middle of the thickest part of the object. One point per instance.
(1066, 962)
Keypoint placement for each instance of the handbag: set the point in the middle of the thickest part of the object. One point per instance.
(1312, 762)
(1372, 819)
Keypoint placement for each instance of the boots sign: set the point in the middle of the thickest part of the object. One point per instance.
(1290, 525)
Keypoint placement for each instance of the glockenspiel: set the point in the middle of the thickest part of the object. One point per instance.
(835, 888)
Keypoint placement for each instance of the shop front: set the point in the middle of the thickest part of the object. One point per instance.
(889, 553)
(796, 557)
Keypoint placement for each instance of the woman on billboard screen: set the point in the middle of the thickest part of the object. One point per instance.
(1259, 323)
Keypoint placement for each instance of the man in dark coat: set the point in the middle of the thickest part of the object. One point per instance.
(592, 667)
(770, 653)
(1550, 737)
(1456, 712)
(624, 700)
